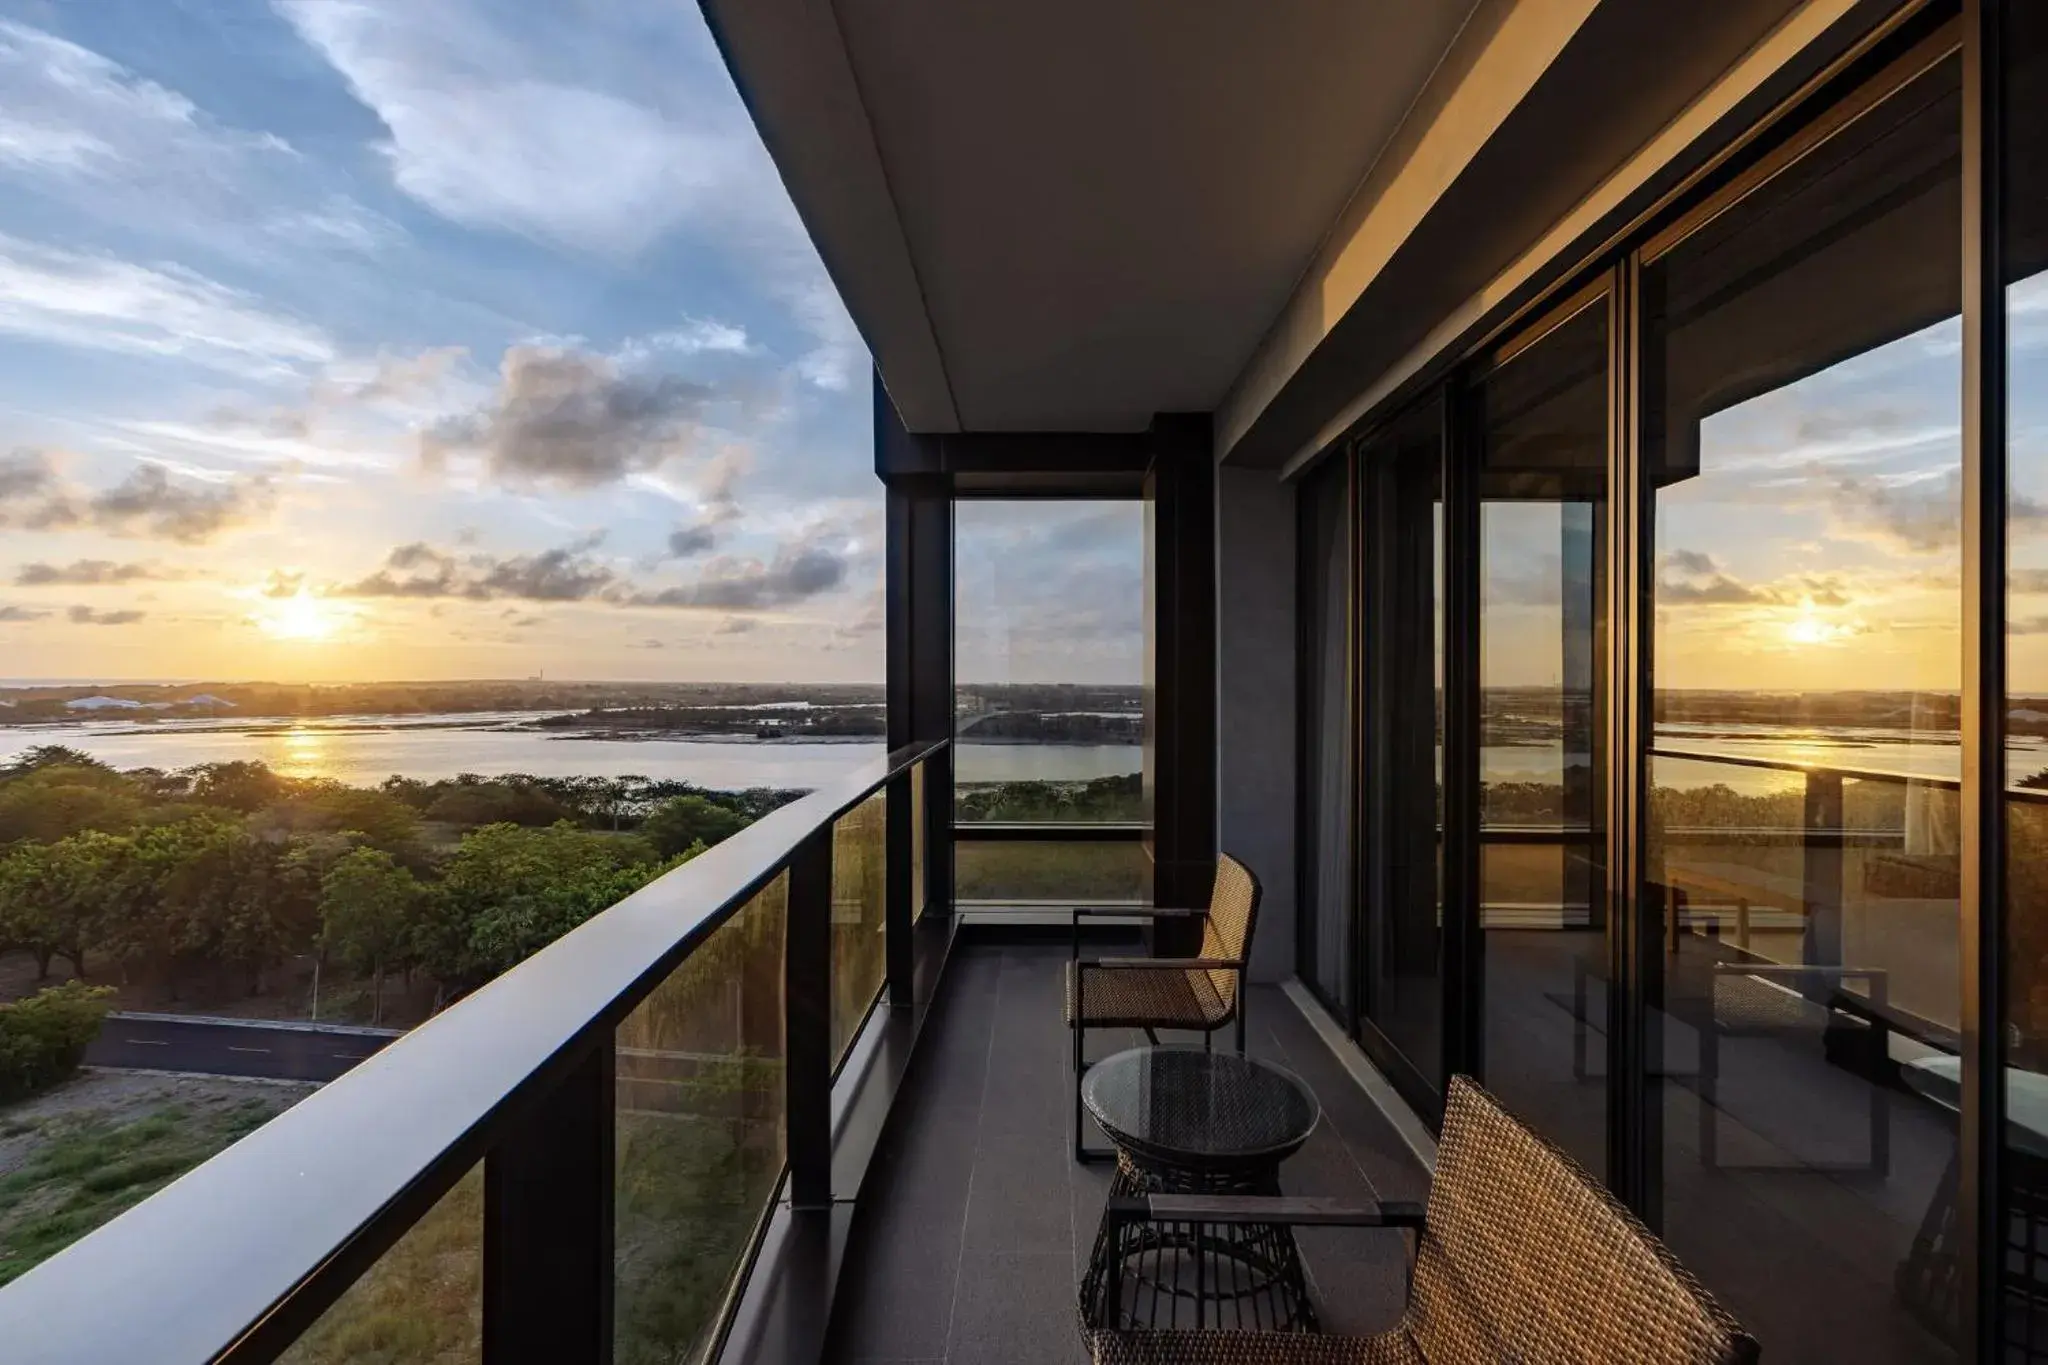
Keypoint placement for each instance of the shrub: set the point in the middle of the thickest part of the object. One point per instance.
(43, 1037)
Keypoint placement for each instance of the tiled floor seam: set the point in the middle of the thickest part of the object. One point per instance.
(967, 1204)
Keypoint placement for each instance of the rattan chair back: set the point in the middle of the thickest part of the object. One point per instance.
(1525, 1257)
(1227, 929)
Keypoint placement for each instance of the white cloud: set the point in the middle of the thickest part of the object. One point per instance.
(482, 139)
(697, 336)
(123, 150)
(100, 302)
(493, 130)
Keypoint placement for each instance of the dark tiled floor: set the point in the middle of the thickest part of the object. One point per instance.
(970, 1249)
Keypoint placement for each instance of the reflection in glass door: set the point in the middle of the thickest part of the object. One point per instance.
(1402, 664)
(1540, 417)
(2024, 1162)
(1798, 932)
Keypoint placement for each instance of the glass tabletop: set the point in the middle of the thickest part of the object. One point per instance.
(1187, 1104)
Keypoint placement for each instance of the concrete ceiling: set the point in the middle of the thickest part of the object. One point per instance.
(1067, 215)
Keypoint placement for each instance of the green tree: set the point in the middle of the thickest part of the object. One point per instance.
(43, 1037)
(683, 821)
(53, 801)
(57, 899)
(382, 819)
(41, 756)
(471, 801)
(366, 908)
(243, 785)
(516, 890)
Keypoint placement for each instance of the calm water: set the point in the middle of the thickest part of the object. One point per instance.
(364, 750)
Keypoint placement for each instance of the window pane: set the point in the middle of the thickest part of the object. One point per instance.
(2025, 955)
(1048, 652)
(1327, 775)
(1015, 872)
(1800, 921)
(700, 1133)
(421, 1303)
(1403, 672)
(1543, 419)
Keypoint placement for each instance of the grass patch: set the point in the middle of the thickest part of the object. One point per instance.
(420, 1304)
(89, 1168)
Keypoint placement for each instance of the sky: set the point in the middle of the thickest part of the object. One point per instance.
(365, 339)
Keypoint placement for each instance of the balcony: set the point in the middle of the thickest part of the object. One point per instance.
(771, 1107)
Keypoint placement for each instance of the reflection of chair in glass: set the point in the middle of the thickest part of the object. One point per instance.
(1747, 996)
(1520, 1255)
(1929, 1279)
(1151, 993)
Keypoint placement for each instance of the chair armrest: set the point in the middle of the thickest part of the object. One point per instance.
(1148, 912)
(1259, 1208)
(1129, 964)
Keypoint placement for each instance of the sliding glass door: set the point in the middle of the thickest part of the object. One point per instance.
(1538, 417)
(1799, 931)
(1402, 664)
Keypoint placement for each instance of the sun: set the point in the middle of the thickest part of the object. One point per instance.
(1809, 627)
(300, 617)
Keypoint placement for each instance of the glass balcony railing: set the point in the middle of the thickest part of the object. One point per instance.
(606, 1142)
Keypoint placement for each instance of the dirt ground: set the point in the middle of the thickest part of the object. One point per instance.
(118, 1097)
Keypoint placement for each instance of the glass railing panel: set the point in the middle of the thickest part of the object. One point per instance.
(699, 1133)
(421, 1303)
(917, 842)
(859, 889)
(1732, 840)
(1077, 872)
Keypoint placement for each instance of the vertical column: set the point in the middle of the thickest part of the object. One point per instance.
(807, 1023)
(1180, 711)
(1982, 911)
(1257, 740)
(918, 606)
(1821, 859)
(548, 1224)
(1635, 1046)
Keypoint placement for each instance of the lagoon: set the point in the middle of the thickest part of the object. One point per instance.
(364, 750)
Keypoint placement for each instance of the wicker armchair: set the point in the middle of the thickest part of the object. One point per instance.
(1519, 1256)
(1151, 993)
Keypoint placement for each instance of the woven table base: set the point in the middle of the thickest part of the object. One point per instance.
(1187, 1275)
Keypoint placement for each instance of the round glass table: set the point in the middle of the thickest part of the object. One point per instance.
(1188, 1121)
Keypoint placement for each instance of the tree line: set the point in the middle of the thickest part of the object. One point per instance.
(222, 872)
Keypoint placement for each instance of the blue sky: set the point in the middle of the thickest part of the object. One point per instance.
(365, 338)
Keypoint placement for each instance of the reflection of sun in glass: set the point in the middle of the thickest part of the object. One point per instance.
(1809, 627)
(301, 618)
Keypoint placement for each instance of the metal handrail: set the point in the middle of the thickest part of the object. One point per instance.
(1788, 765)
(282, 1222)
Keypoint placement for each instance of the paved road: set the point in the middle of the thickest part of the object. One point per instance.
(233, 1047)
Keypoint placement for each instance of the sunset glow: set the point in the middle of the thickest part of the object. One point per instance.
(302, 618)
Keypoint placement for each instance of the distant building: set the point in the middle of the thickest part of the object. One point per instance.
(102, 704)
(206, 699)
